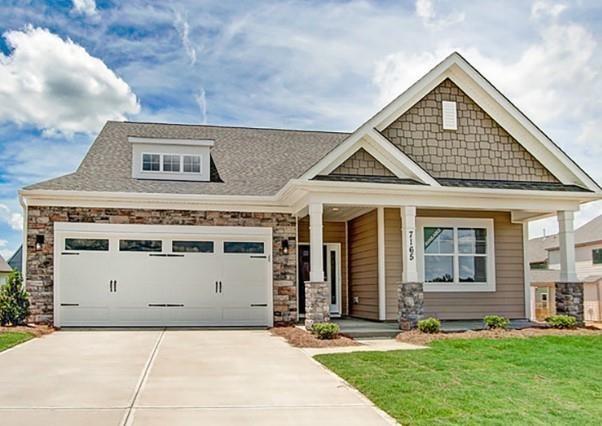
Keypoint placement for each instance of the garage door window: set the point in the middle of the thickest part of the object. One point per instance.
(192, 246)
(243, 247)
(140, 245)
(87, 244)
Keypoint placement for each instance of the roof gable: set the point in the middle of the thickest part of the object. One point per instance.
(362, 163)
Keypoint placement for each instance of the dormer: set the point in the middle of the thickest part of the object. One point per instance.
(171, 159)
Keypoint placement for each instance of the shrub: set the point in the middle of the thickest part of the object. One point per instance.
(496, 321)
(429, 325)
(14, 301)
(325, 330)
(562, 321)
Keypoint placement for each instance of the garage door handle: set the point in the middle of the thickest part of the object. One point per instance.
(115, 286)
(111, 286)
(220, 286)
(216, 286)
(259, 305)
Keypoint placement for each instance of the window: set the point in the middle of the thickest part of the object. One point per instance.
(151, 162)
(243, 247)
(450, 115)
(171, 163)
(597, 256)
(192, 164)
(140, 245)
(86, 244)
(192, 246)
(456, 254)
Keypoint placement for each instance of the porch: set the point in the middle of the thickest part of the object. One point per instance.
(357, 260)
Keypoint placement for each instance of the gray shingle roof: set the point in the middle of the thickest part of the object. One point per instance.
(249, 161)
(507, 184)
(367, 179)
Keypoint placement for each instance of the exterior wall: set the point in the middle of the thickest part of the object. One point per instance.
(509, 296)
(4, 277)
(40, 264)
(393, 261)
(583, 260)
(362, 164)
(363, 266)
(333, 232)
(479, 149)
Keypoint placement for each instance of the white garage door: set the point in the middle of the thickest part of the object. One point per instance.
(155, 275)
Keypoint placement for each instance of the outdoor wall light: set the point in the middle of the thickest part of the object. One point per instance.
(284, 246)
(39, 242)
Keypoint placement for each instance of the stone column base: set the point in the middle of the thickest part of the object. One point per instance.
(569, 299)
(410, 298)
(317, 302)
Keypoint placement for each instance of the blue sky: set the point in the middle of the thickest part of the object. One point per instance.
(67, 66)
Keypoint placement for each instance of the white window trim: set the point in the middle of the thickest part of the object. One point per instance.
(489, 286)
(181, 156)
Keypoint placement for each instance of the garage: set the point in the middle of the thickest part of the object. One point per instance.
(162, 275)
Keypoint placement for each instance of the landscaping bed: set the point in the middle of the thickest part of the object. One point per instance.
(300, 338)
(549, 379)
(418, 338)
(12, 336)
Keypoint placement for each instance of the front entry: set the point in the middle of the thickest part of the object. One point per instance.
(331, 253)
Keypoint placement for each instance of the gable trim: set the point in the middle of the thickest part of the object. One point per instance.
(380, 148)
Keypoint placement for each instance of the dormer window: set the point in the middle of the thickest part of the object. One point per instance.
(171, 159)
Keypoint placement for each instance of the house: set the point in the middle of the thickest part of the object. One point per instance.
(422, 210)
(5, 270)
(544, 258)
(16, 260)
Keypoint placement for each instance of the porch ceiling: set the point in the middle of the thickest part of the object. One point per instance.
(336, 213)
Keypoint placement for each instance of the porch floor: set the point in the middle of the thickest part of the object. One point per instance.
(366, 329)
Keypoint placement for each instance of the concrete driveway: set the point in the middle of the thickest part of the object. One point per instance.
(175, 377)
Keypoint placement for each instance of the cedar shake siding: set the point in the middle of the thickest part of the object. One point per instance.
(40, 263)
(362, 164)
(333, 232)
(509, 296)
(363, 266)
(479, 149)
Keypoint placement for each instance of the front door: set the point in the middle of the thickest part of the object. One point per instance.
(331, 260)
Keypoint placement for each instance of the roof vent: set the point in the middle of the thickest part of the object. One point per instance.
(450, 116)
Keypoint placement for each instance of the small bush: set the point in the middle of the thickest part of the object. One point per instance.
(14, 301)
(496, 321)
(562, 321)
(325, 330)
(429, 325)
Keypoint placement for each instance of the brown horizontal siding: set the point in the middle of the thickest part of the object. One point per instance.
(509, 298)
(363, 266)
(392, 260)
(333, 232)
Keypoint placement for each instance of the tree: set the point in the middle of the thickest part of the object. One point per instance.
(14, 301)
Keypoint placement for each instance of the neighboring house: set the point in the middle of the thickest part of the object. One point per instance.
(5, 270)
(167, 224)
(545, 258)
(16, 260)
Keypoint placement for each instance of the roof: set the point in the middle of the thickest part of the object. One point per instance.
(538, 248)
(367, 179)
(16, 260)
(250, 161)
(4, 267)
(505, 184)
(589, 232)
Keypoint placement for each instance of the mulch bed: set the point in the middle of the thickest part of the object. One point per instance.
(418, 338)
(35, 329)
(300, 338)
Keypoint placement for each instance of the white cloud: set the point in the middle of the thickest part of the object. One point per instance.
(542, 8)
(6, 253)
(181, 25)
(425, 10)
(57, 86)
(3, 243)
(84, 7)
(201, 100)
(14, 220)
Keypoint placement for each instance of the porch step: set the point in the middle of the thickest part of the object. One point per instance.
(362, 329)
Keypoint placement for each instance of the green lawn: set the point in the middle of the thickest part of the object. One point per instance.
(8, 339)
(536, 381)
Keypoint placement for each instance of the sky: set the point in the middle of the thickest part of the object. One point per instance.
(67, 66)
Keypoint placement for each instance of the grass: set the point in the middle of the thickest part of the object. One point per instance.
(552, 380)
(8, 339)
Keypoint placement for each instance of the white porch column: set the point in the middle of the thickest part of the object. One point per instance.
(408, 232)
(566, 239)
(316, 267)
(382, 302)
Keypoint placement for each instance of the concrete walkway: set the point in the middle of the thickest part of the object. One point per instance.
(175, 377)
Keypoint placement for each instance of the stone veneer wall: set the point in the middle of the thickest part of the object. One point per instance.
(479, 149)
(362, 164)
(40, 264)
(569, 299)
